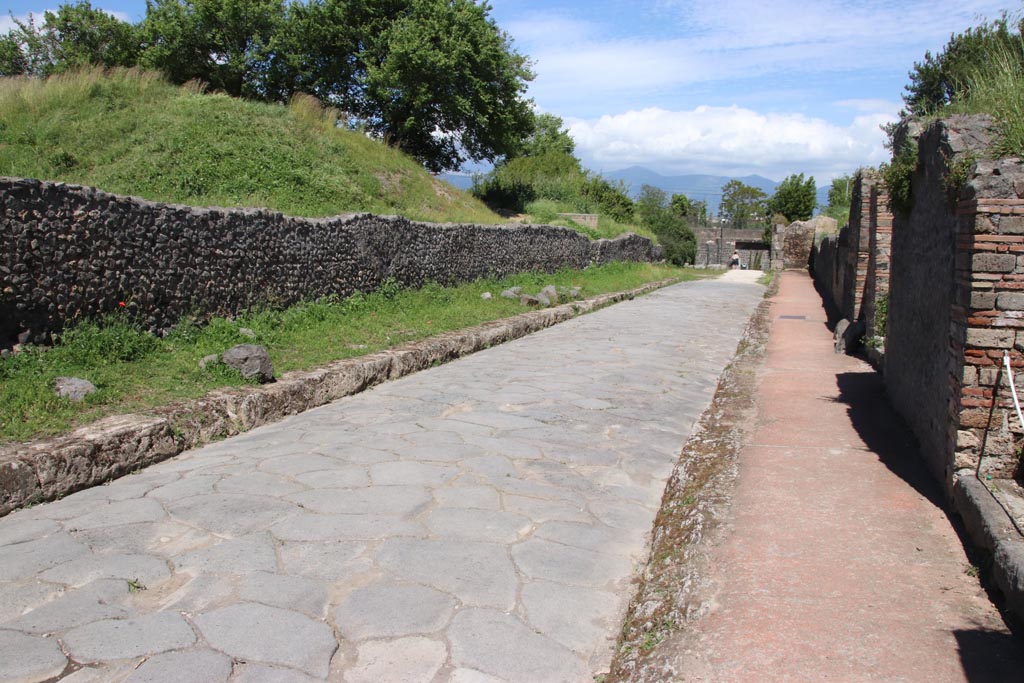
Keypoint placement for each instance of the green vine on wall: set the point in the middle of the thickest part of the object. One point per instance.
(899, 176)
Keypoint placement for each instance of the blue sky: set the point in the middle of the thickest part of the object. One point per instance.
(731, 87)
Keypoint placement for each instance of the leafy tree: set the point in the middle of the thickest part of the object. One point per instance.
(941, 78)
(225, 43)
(548, 135)
(655, 210)
(681, 204)
(742, 204)
(840, 196)
(443, 83)
(12, 61)
(795, 198)
(74, 36)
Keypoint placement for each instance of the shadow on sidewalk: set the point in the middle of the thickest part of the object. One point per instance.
(884, 432)
(986, 656)
(990, 657)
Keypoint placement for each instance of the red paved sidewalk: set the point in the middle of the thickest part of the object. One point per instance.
(839, 563)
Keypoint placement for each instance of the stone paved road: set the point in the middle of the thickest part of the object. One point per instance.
(477, 522)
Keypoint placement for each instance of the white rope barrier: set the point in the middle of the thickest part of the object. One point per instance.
(1013, 386)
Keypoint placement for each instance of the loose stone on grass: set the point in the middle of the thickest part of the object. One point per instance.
(73, 388)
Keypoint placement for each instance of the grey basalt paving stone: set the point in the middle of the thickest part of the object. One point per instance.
(234, 556)
(408, 660)
(468, 496)
(231, 514)
(377, 500)
(315, 527)
(82, 570)
(183, 488)
(29, 659)
(261, 673)
(476, 573)
(97, 601)
(270, 635)
(499, 644)
(194, 666)
(17, 598)
(473, 676)
(298, 464)
(325, 560)
(541, 559)
(122, 512)
(494, 526)
(124, 638)
(297, 593)
(22, 530)
(22, 560)
(258, 483)
(340, 477)
(582, 619)
(405, 473)
(387, 610)
(541, 511)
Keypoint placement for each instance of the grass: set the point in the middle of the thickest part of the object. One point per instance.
(133, 370)
(130, 132)
(546, 211)
(996, 87)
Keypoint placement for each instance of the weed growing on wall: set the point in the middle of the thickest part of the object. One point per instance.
(899, 175)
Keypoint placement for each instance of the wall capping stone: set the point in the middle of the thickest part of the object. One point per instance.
(49, 468)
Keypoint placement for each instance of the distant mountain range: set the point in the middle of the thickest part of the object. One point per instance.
(697, 186)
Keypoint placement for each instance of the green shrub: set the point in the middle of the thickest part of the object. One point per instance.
(899, 176)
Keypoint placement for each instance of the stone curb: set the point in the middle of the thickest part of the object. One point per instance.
(47, 469)
(990, 528)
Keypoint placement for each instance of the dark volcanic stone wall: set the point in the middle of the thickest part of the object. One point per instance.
(68, 252)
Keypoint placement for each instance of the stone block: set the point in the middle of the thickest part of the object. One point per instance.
(990, 339)
(983, 300)
(1010, 301)
(994, 263)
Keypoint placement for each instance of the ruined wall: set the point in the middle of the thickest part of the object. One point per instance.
(68, 252)
(953, 303)
(876, 282)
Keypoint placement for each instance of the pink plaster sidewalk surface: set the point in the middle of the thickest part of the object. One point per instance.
(838, 562)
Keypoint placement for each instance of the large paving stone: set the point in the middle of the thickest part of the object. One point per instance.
(328, 560)
(582, 619)
(341, 477)
(230, 514)
(122, 512)
(194, 666)
(298, 593)
(29, 659)
(309, 527)
(377, 500)
(494, 526)
(468, 496)
(391, 610)
(270, 635)
(235, 556)
(16, 598)
(26, 529)
(97, 601)
(259, 484)
(260, 673)
(146, 569)
(405, 473)
(478, 574)
(540, 559)
(406, 660)
(185, 488)
(123, 638)
(499, 644)
(22, 560)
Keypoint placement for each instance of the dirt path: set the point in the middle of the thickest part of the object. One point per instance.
(835, 560)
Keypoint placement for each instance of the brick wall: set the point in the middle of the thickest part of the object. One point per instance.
(876, 282)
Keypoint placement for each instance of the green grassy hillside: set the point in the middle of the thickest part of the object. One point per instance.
(132, 133)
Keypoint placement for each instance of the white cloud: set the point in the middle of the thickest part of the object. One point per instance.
(730, 141)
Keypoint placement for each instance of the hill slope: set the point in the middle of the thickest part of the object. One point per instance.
(132, 133)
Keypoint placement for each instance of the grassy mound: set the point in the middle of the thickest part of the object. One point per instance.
(131, 132)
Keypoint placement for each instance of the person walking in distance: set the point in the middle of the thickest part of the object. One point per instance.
(734, 260)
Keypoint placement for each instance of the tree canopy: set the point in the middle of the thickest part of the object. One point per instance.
(656, 211)
(742, 204)
(940, 79)
(795, 198)
(435, 78)
(840, 196)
